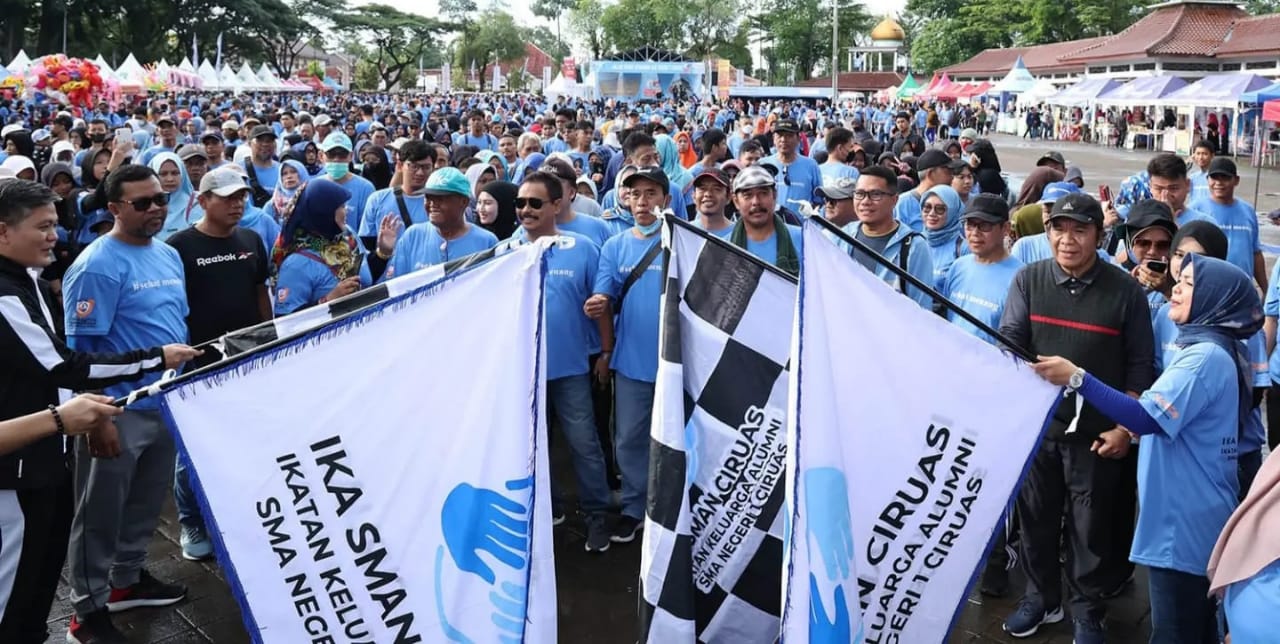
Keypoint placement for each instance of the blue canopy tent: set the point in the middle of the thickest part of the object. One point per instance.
(1142, 91)
(1258, 97)
(1084, 93)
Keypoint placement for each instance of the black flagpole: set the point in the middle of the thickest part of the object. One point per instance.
(914, 281)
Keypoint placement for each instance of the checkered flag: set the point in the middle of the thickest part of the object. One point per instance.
(713, 539)
(238, 342)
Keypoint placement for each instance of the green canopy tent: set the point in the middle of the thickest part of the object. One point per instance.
(909, 87)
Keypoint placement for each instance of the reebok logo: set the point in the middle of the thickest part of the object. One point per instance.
(218, 259)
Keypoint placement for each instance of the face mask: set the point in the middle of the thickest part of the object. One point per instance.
(336, 170)
(97, 138)
(651, 228)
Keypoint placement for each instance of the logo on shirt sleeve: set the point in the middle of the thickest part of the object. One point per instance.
(84, 308)
(282, 294)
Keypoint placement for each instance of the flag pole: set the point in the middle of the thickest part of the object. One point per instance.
(916, 282)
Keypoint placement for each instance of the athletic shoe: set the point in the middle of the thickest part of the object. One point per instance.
(196, 545)
(597, 533)
(1088, 631)
(149, 591)
(96, 628)
(626, 529)
(1029, 617)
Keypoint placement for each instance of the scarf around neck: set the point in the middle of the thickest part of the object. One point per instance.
(787, 260)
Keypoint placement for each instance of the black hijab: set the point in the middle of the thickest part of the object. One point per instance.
(504, 192)
(378, 173)
(22, 140)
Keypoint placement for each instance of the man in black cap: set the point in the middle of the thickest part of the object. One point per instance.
(799, 174)
(904, 138)
(710, 200)
(1148, 234)
(214, 148)
(979, 281)
(1090, 312)
(1236, 218)
(838, 193)
(166, 139)
(1053, 159)
(263, 169)
(934, 169)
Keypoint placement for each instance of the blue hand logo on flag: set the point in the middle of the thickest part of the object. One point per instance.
(486, 529)
(829, 525)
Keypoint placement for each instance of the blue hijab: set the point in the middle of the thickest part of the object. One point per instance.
(670, 155)
(1226, 311)
(530, 164)
(944, 243)
(181, 201)
(314, 211)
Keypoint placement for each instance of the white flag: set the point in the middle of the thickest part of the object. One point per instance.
(361, 483)
(898, 480)
(711, 567)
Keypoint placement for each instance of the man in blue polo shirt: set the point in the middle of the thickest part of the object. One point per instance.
(124, 292)
(406, 201)
(800, 175)
(1236, 218)
(446, 236)
(979, 281)
(335, 151)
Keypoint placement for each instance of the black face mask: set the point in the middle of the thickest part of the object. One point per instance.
(97, 138)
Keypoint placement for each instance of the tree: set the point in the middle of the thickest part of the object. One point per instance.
(799, 34)
(398, 41)
(631, 24)
(543, 39)
(552, 10)
(495, 38)
(586, 18)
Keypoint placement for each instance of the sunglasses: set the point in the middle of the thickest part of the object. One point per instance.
(532, 202)
(145, 203)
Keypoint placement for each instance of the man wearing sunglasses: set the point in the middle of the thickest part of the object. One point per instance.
(446, 236)
(800, 175)
(892, 241)
(124, 292)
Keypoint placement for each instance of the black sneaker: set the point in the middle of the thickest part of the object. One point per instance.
(597, 533)
(95, 628)
(626, 529)
(149, 591)
(995, 582)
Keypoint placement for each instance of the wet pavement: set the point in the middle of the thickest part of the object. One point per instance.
(597, 593)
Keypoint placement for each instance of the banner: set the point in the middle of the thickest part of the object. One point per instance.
(546, 78)
(360, 486)
(446, 78)
(713, 539)
(724, 70)
(931, 461)
(570, 70)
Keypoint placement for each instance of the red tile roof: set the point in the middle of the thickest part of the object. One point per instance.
(537, 60)
(1186, 29)
(1252, 37)
(856, 81)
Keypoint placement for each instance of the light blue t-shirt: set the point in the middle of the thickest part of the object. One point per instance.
(571, 275)
(907, 211)
(832, 170)
(1189, 215)
(1033, 248)
(257, 220)
(635, 351)
(151, 153)
(980, 289)
(303, 280)
(797, 181)
(421, 246)
(723, 233)
(120, 297)
(767, 250)
(1187, 480)
(592, 228)
(267, 177)
(1251, 605)
(1240, 224)
(382, 203)
(361, 189)
(1271, 308)
(553, 145)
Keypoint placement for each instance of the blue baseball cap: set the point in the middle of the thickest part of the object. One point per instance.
(1058, 190)
(448, 181)
(336, 140)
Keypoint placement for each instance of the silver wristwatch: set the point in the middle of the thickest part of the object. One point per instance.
(1077, 380)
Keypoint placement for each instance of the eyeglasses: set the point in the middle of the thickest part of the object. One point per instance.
(979, 225)
(832, 202)
(145, 203)
(874, 196)
(426, 168)
(931, 207)
(532, 202)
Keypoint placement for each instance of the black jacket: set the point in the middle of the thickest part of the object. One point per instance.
(36, 363)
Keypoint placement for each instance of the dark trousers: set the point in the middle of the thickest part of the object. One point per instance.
(1067, 475)
(47, 513)
(602, 404)
(1181, 610)
(1273, 415)
(1125, 519)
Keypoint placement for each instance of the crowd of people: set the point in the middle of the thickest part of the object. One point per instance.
(132, 238)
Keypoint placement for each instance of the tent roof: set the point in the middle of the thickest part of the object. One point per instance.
(1017, 81)
(1084, 93)
(130, 70)
(1264, 95)
(1218, 90)
(186, 65)
(20, 63)
(909, 87)
(1142, 90)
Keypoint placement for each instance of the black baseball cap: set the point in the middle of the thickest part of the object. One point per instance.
(987, 207)
(712, 174)
(1148, 213)
(932, 159)
(261, 130)
(1079, 207)
(786, 125)
(1052, 156)
(1222, 166)
(211, 134)
(649, 173)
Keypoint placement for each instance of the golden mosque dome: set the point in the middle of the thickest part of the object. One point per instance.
(888, 29)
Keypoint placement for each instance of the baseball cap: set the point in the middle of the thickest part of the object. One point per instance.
(932, 159)
(223, 183)
(230, 125)
(1222, 166)
(334, 141)
(211, 134)
(712, 174)
(1057, 190)
(323, 119)
(650, 173)
(191, 150)
(1079, 207)
(261, 130)
(1074, 172)
(395, 145)
(753, 177)
(1051, 156)
(1148, 213)
(987, 207)
(448, 181)
(786, 125)
(837, 188)
(165, 118)
(40, 135)
(969, 133)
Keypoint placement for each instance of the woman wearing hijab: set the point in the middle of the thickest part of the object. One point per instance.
(986, 169)
(94, 218)
(375, 168)
(184, 210)
(684, 146)
(308, 155)
(1027, 217)
(670, 157)
(494, 159)
(21, 166)
(1190, 420)
(940, 209)
(496, 208)
(19, 142)
(530, 164)
(617, 215)
(293, 176)
(317, 258)
(60, 178)
(479, 174)
(1244, 569)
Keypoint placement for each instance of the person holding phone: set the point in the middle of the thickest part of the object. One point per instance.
(1147, 236)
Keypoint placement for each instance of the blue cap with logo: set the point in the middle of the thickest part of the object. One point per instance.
(1058, 190)
(336, 140)
(448, 181)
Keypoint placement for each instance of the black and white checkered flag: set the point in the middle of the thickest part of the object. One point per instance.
(713, 539)
(238, 342)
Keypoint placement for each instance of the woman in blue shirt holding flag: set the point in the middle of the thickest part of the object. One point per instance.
(317, 258)
(1191, 420)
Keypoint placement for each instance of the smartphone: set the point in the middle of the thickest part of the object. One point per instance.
(1158, 266)
(124, 132)
(1104, 192)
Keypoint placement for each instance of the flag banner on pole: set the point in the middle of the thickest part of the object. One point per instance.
(711, 566)
(446, 78)
(931, 462)
(242, 340)
(383, 478)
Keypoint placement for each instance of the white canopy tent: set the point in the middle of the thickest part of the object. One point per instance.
(270, 79)
(248, 79)
(561, 86)
(19, 64)
(1017, 81)
(186, 65)
(1042, 90)
(209, 75)
(130, 70)
(227, 80)
(104, 70)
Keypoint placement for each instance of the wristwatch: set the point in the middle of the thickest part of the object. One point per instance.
(1077, 380)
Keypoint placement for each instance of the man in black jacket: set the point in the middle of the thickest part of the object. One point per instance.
(37, 369)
